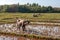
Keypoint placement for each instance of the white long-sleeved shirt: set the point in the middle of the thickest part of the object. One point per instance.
(20, 22)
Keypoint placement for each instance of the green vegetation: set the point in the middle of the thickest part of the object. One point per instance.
(28, 8)
(43, 17)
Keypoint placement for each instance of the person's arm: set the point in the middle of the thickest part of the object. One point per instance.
(23, 23)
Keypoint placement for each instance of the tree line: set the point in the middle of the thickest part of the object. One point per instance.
(28, 8)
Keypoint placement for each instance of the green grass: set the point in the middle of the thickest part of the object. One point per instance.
(44, 17)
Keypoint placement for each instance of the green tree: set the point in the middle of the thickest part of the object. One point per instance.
(49, 9)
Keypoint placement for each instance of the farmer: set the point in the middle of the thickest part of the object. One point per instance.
(22, 23)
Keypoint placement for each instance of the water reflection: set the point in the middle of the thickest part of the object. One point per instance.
(45, 30)
(33, 29)
(8, 38)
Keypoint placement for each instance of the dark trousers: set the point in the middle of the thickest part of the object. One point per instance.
(19, 26)
(23, 27)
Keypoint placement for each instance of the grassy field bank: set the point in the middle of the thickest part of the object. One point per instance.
(43, 17)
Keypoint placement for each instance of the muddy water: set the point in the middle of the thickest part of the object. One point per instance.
(15, 38)
(8, 38)
(53, 31)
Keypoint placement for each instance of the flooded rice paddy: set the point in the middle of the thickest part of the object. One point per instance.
(53, 31)
(8, 38)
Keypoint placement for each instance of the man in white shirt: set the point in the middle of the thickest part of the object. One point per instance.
(22, 23)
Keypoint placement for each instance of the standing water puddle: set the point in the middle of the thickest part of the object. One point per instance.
(31, 29)
(8, 38)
